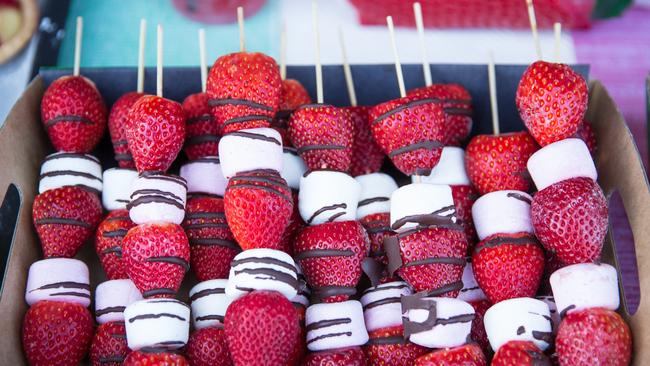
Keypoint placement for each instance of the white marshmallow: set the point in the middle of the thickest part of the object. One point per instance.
(250, 149)
(328, 196)
(204, 175)
(58, 279)
(69, 169)
(335, 325)
(449, 170)
(521, 318)
(262, 269)
(421, 199)
(381, 305)
(561, 160)
(117, 188)
(452, 326)
(209, 303)
(157, 323)
(376, 189)
(552, 308)
(470, 291)
(585, 285)
(293, 167)
(157, 197)
(112, 297)
(502, 212)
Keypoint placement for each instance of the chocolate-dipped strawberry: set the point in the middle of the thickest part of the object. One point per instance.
(367, 156)
(117, 120)
(108, 243)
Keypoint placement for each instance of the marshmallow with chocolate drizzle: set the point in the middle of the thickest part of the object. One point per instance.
(521, 318)
(436, 322)
(157, 197)
(157, 325)
(117, 188)
(376, 189)
(328, 196)
(335, 325)
(502, 212)
(585, 285)
(382, 304)
(69, 169)
(209, 303)
(204, 176)
(58, 279)
(112, 297)
(250, 149)
(471, 290)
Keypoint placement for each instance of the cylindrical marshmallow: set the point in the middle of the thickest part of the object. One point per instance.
(412, 205)
(250, 149)
(585, 285)
(157, 323)
(69, 169)
(450, 169)
(209, 303)
(502, 212)
(561, 160)
(335, 325)
(112, 297)
(262, 269)
(327, 196)
(552, 308)
(58, 279)
(117, 188)
(448, 322)
(204, 175)
(522, 318)
(293, 167)
(381, 305)
(471, 290)
(157, 197)
(376, 189)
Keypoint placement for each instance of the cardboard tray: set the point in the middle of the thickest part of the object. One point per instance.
(23, 145)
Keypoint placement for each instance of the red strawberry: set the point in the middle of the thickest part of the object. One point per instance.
(212, 245)
(139, 358)
(479, 335)
(330, 256)
(467, 355)
(65, 218)
(593, 336)
(586, 133)
(508, 266)
(261, 329)
(109, 346)
(570, 219)
(496, 163)
(523, 353)
(295, 226)
(117, 127)
(292, 96)
(411, 133)
(202, 132)
(301, 346)
(464, 197)
(207, 347)
(258, 207)
(323, 135)
(352, 356)
(552, 100)
(156, 256)
(244, 90)
(367, 156)
(56, 333)
(457, 104)
(388, 347)
(432, 259)
(108, 243)
(155, 130)
(378, 228)
(74, 114)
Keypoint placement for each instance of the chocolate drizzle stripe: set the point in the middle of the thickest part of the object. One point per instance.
(434, 219)
(263, 261)
(402, 107)
(120, 142)
(437, 260)
(213, 225)
(252, 117)
(216, 241)
(201, 118)
(264, 188)
(566, 310)
(458, 111)
(117, 233)
(521, 330)
(255, 136)
(199, 139)
(207, 292)
(62, 221)
(156, 316)
(427, 145)
(63, 155)
(120, 201)
(269, 274)
(454, 286)
(166, 177)
(115, 249)
(57, 173)
(330, 335)
(327, 291)
(327, 323)
(169, 301)
(335, 216)
(243, 102)
(463, 318)
(504, 240)
(170, 259)
(110, 309)
(317, 253)
(519, 196)
(290, 150)
(368, 201)
(386, 341)
(205, 159)
(154, 199)
(205, 215)
(543, 336)
(306, 148)
(64, 284)
(384, 301)
(111, 359)
(123, 157)
(118, 335)
(382, 288)
(279, 182)
(118, 218)
(159, 291)
(325, 209)
(71, 293)
(150, 191)
(67, 118)
(219, 318)
(377, 230)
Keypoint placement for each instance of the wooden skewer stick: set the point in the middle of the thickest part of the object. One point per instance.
(319, 69)
(398, 65)
(283, 51)
(77, 46)
(242, 35)
(203, 65)
(533, 28)
(159, 61)
(141, 43)
(419, 23)
(492, 83)
(557, 30)
(349, 82)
